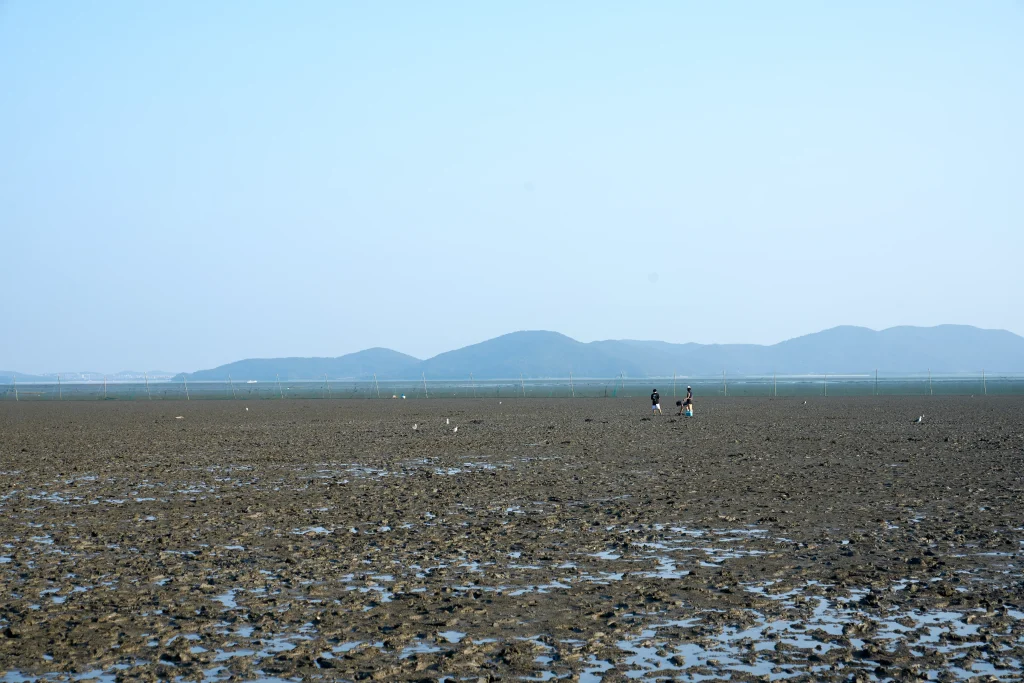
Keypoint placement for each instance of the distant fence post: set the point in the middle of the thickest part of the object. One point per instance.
(775, 386)
(327, 383)
(984, 386)
(876, 381)
(673, 384)
(60, 390)
(725, 385)
(375, 385)
(183, 379)
(473, 382)
(424, 375)
(930, 392)
(232, 385)
(521, 385)
(15, 388)
(280, 391)
(146, 376)
(826, 385)
(571, 387)
(104, 387)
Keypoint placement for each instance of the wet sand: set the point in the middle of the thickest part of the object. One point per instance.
(585, 539)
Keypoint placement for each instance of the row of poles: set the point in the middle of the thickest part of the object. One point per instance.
(60, 388)
(522, 385)
(775, 384)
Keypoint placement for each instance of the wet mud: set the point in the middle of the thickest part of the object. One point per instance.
(544, 539)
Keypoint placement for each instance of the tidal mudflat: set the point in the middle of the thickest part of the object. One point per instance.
(765, 539)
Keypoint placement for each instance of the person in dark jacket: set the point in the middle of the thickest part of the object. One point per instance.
(687, 406)
(656, 401)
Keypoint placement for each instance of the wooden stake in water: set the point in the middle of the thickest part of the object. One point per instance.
(876, 382)
(146, 375)
(622, 381)
(327, 383)
(184, 378)
(930, 393)
(425, 395)
(725, 385)
(232, 385)
(473, 382)
(15, 388)
(60, 391)
(775, 386)
(673, 384)
(826, 386)
(571, 387)
(377, 386)
(279, 391)
(984, 386)
(523, 386)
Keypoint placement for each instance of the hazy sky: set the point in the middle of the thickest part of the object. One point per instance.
(184, 184)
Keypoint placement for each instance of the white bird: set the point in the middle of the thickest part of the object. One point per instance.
(179, 417)
(455, 430)
(415, 427)
(247, 409)
(805, 402)
(446, 421)
(919, 420)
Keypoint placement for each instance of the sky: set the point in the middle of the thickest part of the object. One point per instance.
(187, 184)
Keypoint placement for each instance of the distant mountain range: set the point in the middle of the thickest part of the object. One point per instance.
(538, 354)
(386, 363)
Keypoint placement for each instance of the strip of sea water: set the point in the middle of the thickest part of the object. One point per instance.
(669, 387)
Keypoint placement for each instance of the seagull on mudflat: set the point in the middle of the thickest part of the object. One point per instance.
(455, 431)
(919, 420)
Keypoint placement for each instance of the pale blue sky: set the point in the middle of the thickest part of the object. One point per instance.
(184, 184)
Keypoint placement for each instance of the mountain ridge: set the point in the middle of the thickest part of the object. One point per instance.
(545, 354)
(845, 349)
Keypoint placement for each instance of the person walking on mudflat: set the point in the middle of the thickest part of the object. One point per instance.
(656, 401)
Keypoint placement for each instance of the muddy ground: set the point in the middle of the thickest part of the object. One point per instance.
(579, 539)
